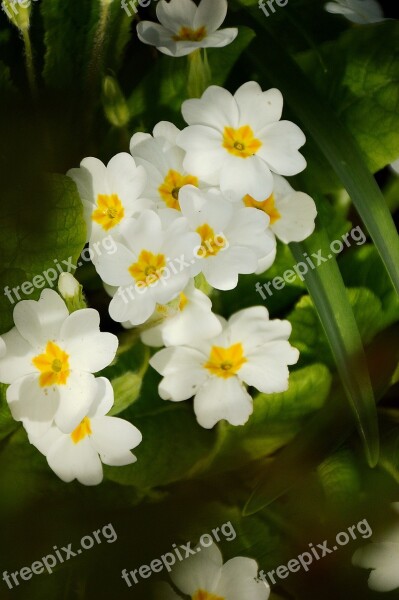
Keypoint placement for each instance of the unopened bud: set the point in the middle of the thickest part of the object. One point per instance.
(72, 292)
(18, 11)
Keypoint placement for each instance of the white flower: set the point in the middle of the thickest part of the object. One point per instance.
(251, 350)
(382, 556)
(357, 11)
(292, 214)
(191, 319)
(236, 141)
(233, 238)
(162, 159)
(203, 576)
(185, 27)
(151, 265)
(49, 361)
(2, 347)
(110, 194)
(97, 439)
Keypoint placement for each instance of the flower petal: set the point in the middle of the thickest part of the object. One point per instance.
(280, 143)
(221, 399)
(216, 108)
(182, 370)
(38, 322)
(210, 13)
(33, 405)
(76, 397)
(113, 437)
(200, 571)
(177, 13)
(17, 361)
(258, 108)
(241, 176)
(89, 349)
(239, 580)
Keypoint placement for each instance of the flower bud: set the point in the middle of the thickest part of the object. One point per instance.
(71, 291)
(18, 11)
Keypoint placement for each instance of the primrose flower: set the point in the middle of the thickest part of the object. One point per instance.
(250, 350)
(151, 265)
(97, 439)
(292, 214)
(50, 359)
(232, 239)
(203, 576)
(357, 11)
(186, 27)
(110, 194)
(236, 141)
(162, 160)
(191, 318)
(382, 556)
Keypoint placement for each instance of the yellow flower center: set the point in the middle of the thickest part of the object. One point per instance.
(241, 142)
(186, 34)
(183, 301)
(148, 268)
(53, 365)
(211, 243)
(109, 211)
(81, 431)
(170, 188)
(226, 362)
(203, 595)
(268, 206)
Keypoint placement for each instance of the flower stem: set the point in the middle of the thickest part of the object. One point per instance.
(30, 69)
(199, 74)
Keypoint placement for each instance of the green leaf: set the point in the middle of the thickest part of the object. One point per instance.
(38, 233)
(69, 31)
(330, 297)
(340, 479)
(173, 443)
(308, 334)
(359, 74)
(340, 149)
(126, 390)
(363, 268)
(325, 432)
(275, 420)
